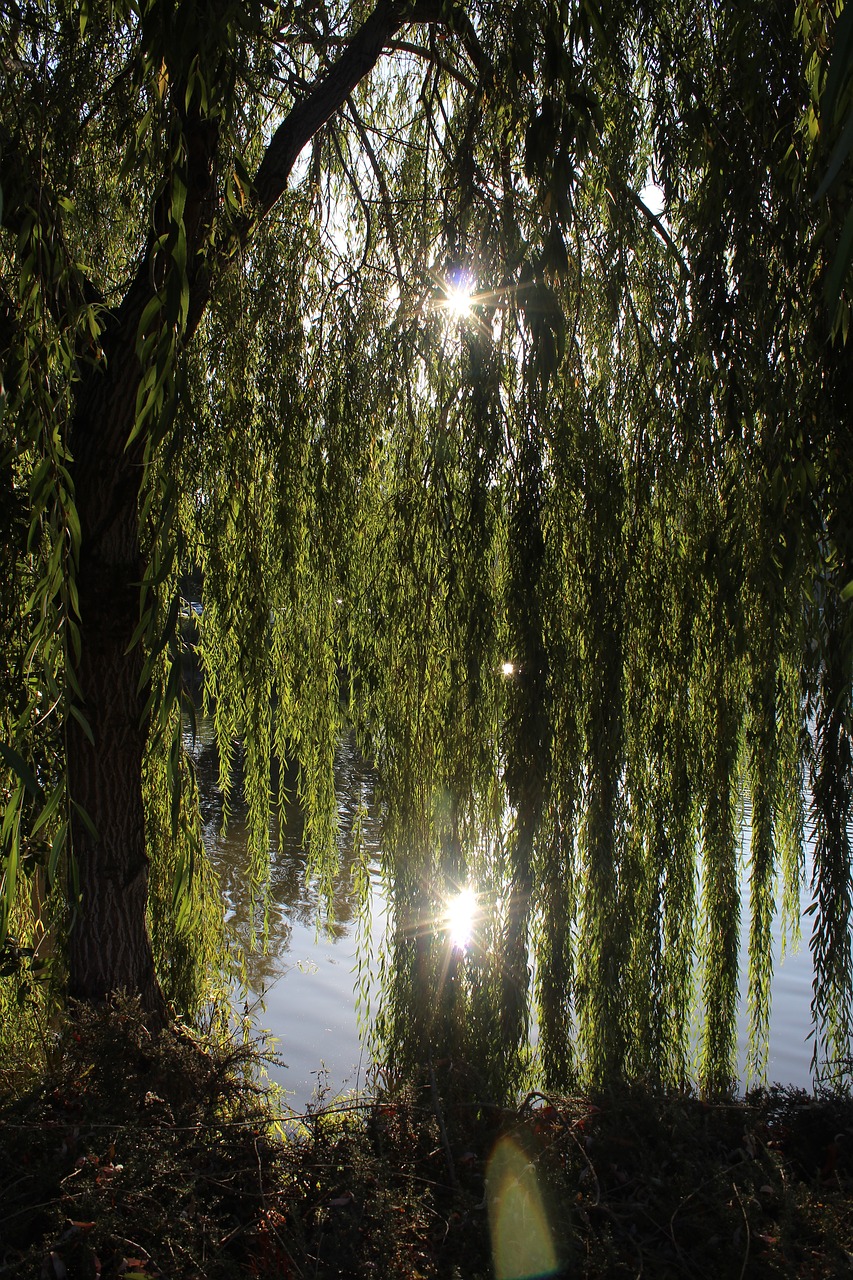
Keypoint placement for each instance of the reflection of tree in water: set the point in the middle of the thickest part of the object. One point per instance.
(264, 930)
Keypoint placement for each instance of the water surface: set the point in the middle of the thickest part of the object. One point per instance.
(303, 986)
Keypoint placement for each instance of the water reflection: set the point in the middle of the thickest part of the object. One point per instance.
(307, 972)
(300, 950)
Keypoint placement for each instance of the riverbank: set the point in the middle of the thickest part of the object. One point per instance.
(135, 1158)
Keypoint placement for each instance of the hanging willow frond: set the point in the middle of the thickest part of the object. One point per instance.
(539, 493)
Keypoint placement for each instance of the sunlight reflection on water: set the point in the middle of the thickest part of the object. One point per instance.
(303, 990)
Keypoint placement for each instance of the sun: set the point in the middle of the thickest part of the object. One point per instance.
(462, 910)
(463, 303)
(459, 300)
(455, 295)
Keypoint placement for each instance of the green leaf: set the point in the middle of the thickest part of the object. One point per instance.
(142, 127)
(242, 173)
(9, 881)
(85, 819)
(841, 63)
(185, 301)
(56, 850)
(840, 264)
(72, 524)
(17, 763)
(152, 309)
(179, 197)
(12, 812)
(54, 800)
(73, 682)
(40, 482)
(83, 722)
(171, 695)
(842, 149)
(179, 250)
(141, 628)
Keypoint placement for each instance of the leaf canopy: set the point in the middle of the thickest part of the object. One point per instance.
(574, 566)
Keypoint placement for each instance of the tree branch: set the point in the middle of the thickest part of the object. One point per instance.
(657, 225)
(383, 189)
(420, 51)
(331, 91)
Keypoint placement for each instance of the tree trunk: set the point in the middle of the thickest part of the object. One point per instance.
(109, 948)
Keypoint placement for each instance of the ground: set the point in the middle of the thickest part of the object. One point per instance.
(140, 1158)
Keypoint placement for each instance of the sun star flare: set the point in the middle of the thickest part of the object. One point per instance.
(461, 917)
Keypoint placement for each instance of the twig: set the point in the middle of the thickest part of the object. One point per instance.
(445, 1141)
(597, 1201)
(140, 1249)
(748, 1233)
(260, 1175)
(707, 1182)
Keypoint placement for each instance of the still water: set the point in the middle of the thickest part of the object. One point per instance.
(303, 985)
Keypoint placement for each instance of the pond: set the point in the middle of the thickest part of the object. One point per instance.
(303, 987)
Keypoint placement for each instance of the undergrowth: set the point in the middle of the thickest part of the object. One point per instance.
(147, 1157)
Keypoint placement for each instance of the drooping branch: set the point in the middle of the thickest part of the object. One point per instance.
(383, 189)
(307, 116)
(332, 90)
(657, 225)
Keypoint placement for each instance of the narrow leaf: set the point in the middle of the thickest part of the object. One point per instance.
(22, 769)
(841, 63)
(85, 819)
(49, 809)
(55, 851)
(83, 723)
(9, 882)
(842, 149)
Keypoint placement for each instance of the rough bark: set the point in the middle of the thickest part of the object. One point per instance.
(109, 948)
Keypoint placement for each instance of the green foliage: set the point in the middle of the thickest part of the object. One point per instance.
(627, 474)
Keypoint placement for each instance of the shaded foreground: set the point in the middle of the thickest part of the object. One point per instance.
(135, 1158)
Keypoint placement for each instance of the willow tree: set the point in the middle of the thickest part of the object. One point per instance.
(540, 489)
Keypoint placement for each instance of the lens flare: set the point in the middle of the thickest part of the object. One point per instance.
(459, 299)
(460, 918)
(523, 1244)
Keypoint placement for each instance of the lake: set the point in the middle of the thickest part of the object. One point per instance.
(303, 987)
